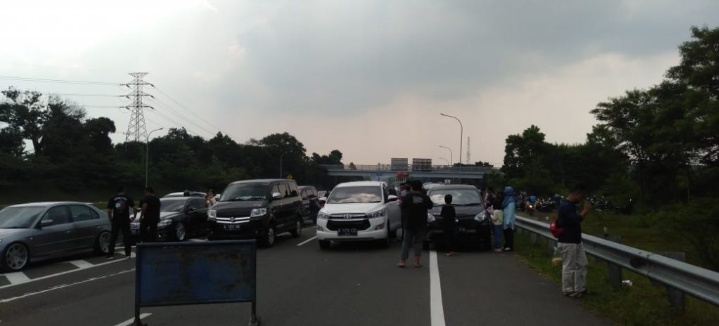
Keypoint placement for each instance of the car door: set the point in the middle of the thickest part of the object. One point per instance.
(275, 206)
(294, 205)
(394, 214)
(196, 215)
(56, 233)
(85, 221)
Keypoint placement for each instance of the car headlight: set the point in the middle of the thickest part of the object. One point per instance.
(258, 212)
(211, 215)
(430, 218)
(164, 223)
(376, 214)
(481, 216)
(323, 216)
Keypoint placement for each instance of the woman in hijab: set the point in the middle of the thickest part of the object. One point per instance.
(509, 207)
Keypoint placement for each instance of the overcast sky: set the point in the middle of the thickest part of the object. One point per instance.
(369, 78)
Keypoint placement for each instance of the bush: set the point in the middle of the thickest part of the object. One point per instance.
(698, 223)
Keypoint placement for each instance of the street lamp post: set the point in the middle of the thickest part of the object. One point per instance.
(450, 158)
(461, 134)
(147, 152)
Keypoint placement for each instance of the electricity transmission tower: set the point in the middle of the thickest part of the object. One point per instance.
(136, 130)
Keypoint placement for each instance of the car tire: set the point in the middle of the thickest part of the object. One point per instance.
(324, 244)
(269, 237)
(15, 257)
(296, 232)
(179, 232)
(102, 243)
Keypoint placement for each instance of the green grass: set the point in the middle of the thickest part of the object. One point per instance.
(640, 304)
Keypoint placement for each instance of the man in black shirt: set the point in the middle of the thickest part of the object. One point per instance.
(118, 210)
(414, 205)
(149, 216)
(574, 259)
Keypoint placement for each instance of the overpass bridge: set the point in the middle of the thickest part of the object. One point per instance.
(387, 171)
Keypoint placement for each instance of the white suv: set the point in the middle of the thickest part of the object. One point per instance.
(358, 211)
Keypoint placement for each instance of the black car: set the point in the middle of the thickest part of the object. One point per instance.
(474, 226)
(310, 203)
(180, 218)
(256, 209)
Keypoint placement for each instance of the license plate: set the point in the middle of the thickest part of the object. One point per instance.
(347, 232)
(232, 226)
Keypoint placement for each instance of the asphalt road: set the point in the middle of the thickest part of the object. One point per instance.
(299, 284)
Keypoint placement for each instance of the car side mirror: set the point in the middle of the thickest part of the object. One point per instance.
(45, 223)
(391, 198)
(276, 195)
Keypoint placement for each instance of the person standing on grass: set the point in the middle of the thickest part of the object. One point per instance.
(574, 259)
(509, 208)
(449, 225)
(149, 216)
(415, 206)
(118, 211)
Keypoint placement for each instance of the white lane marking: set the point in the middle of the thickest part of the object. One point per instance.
(29, 294)
(435, 292)
(81, 263)
(62, 273)
(132, 320)
(306, 241)
(17, 278)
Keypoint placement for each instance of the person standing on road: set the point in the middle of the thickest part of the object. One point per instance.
(509, 207)
(415, 206)
(574, 259)
(449, 225)
(149, 216)
(118, 210)
(210, 198)
(497, 219)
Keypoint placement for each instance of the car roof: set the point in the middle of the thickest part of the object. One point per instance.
(182, 194)
(261, 181)
(441, 187)
(47, 203)
(360, 183)
(303, 187)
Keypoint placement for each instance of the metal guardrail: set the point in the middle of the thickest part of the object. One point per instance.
(693, 280)
(408, 168)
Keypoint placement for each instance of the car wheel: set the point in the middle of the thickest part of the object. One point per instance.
(180, 232)
(15, 257)
(297, 231)
(270, 237)
(324, 244)
(102, 244)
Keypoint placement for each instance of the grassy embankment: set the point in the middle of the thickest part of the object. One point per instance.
(639, 304)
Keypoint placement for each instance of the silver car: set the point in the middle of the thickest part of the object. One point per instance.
(36, 231)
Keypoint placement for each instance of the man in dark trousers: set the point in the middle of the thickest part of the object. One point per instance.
(118, 210)
(415, 206)
(149, 216)
(574, 259)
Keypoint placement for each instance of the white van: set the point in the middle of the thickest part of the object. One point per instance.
(358, 211)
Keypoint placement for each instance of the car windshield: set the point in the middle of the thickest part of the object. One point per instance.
(19, 217)
(349, 195)
(245, 192)
(171, 205)
(460, 197)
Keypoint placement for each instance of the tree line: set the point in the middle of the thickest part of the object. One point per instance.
(659, 146)
(76, 154)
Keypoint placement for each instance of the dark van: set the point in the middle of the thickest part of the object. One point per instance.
(256, 209)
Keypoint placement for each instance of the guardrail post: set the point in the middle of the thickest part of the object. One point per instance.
(676, 297)
(533, 238)
(615, 271)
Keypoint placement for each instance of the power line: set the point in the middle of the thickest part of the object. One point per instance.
(188, 109)
(62, 81)
(178, 114)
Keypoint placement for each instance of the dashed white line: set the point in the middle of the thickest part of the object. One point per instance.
(17, 278)
(435, 292)
(306, 241)
(81, 263)
(58, 274)
(64, 286)
(132, 320)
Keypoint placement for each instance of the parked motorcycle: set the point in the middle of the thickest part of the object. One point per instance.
(546, 206)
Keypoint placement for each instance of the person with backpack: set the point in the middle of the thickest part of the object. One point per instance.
(118, 210)
(569, 238)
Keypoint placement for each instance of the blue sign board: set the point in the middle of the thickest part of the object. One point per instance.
(195, 273)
